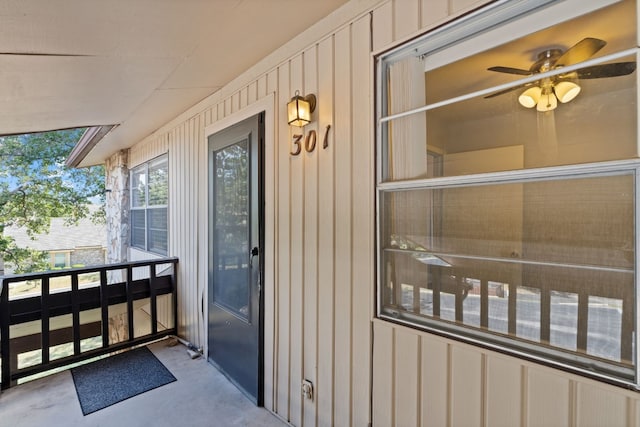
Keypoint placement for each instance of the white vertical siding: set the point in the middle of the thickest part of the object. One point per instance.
(458, 384)
(319, 327)
(297, 175)
(396, 20)
(424, 380)
(434, 386)
(148, 150)
(504, 385)
(182, 143)
(310, 249)
(382, 35)
(548, 398)
(597, 406)
(342, 223)
(363, 217)
(319, 258)
(283, 253)
(268, 84)
(433, 11)
(406, 18)
(465, 388)
(384, 400)
(406, 380)
(325, 352)
(184, 187)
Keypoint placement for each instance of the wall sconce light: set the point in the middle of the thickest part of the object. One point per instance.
(299, 109)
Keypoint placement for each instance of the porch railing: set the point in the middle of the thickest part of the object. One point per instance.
(83, 313)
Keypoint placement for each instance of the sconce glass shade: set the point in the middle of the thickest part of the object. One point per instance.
(546, 99)
(547, 102)
(565, 91)
(299, 109)
(530, 97)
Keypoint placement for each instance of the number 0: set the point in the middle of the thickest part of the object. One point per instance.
(310, 142)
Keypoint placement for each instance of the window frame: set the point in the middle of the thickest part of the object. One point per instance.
(67, 258)
(159, 162)
(498, 16)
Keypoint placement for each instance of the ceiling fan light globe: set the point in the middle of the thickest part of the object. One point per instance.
(547, 102)
(530, 97)
(566, 91)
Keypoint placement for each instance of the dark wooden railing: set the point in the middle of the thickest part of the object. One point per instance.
(74, 300)
(523, 289)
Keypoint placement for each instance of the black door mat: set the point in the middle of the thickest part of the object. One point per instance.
(116, 378)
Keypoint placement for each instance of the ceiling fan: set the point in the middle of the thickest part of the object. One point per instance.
(546, 92)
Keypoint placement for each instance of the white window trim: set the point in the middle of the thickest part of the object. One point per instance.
(145, 166)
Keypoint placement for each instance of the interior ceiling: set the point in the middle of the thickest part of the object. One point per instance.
(616, 25)
(133, 63)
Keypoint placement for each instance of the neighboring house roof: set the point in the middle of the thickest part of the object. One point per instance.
(61, 236)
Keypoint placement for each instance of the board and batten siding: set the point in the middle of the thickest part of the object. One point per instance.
(420, 379)
(320, 253)
(424, 380)
(319, 224)
(319, 259)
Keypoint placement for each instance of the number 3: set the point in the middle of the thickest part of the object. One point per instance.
(298, 145)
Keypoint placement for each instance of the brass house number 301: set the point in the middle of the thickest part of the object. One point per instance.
(309, 141)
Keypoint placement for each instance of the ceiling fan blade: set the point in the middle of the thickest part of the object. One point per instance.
(607, 70)
(580, 51)
(502, 92)
(510, 70)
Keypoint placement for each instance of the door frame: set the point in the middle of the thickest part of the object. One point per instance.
(267, 315)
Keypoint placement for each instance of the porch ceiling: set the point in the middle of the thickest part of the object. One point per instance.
(134, 63)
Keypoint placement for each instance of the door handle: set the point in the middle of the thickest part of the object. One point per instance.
(254, 252)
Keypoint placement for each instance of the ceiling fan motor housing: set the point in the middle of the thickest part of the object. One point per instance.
(546, 60)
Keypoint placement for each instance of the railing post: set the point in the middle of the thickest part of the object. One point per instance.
(460, 283)
(627, 326)
(129, 302)
(5, 350)
(583, 322)
(437, 287)
(104, 305)
(152, 298)
(484, 303)
(512, 304)
(174, 290)
(75, 313)
(545, 315)
(44, 310)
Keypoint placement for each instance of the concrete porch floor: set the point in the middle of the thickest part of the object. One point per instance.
(201, 396)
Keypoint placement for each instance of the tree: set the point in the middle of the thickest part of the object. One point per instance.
(35, 186)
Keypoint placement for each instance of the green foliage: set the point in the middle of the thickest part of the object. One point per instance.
(149, 183)
(232, 192)
(36, 186)
(158, 186)
(23, 260)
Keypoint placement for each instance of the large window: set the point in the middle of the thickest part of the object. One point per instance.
(149, 198)
(507, 204)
